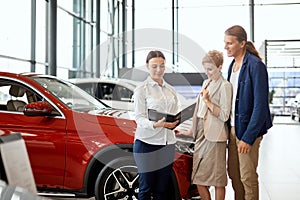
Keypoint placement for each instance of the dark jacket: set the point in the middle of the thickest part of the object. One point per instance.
(252, 112)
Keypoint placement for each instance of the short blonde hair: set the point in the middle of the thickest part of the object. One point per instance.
(213, 56)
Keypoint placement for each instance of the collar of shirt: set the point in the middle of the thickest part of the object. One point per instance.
(153, 83)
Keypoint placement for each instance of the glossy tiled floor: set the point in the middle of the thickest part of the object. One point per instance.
(279, 163)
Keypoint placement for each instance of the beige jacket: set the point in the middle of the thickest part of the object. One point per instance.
(215, 128)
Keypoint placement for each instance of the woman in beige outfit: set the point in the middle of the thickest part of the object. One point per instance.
(209, 129)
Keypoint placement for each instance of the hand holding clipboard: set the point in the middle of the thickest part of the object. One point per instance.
(182, 116)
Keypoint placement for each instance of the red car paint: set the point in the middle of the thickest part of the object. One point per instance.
(63, 149)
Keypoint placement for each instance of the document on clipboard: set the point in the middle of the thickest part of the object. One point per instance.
(182, 116)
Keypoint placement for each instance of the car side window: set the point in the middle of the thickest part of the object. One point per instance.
(4, 96)
(108, 91)
(124, 93)
(90, 88)
(14, 96)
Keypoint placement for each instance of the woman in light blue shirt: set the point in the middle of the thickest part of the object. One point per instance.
(154, 143)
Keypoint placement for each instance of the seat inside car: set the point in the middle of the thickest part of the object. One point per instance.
(15, 104)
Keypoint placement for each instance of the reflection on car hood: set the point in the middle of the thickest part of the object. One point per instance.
(125, 114)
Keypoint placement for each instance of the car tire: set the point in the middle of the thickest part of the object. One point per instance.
(118, 180)
(107, 186)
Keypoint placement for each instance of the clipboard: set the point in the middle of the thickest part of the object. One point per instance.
(182, 116)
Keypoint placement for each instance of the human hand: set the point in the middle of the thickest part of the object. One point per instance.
(162, 123)
(159, 123)
(183, 132)
(170, 125)
(243, 147)
(205, 94)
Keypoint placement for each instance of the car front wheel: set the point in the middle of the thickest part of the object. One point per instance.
(118, 180)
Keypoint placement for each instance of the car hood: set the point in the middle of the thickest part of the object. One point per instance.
(183, 142)
(129, 115)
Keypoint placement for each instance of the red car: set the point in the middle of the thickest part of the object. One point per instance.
(76, 144)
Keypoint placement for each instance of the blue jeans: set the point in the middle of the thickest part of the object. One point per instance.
(154, 164)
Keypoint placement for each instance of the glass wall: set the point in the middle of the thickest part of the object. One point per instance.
(24, 37)
(283, 61)
(25, 44)
(15, 35)
(41, 30)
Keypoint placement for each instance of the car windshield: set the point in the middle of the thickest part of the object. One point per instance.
(71, 95)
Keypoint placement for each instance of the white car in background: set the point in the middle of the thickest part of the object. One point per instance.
(115, 92)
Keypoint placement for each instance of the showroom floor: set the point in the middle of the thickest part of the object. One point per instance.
(279, 162)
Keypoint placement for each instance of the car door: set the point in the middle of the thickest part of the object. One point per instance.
(44, 136)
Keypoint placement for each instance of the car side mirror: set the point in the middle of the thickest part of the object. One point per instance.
(40, 108)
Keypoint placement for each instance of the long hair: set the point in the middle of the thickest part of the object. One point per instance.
(241, 35)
